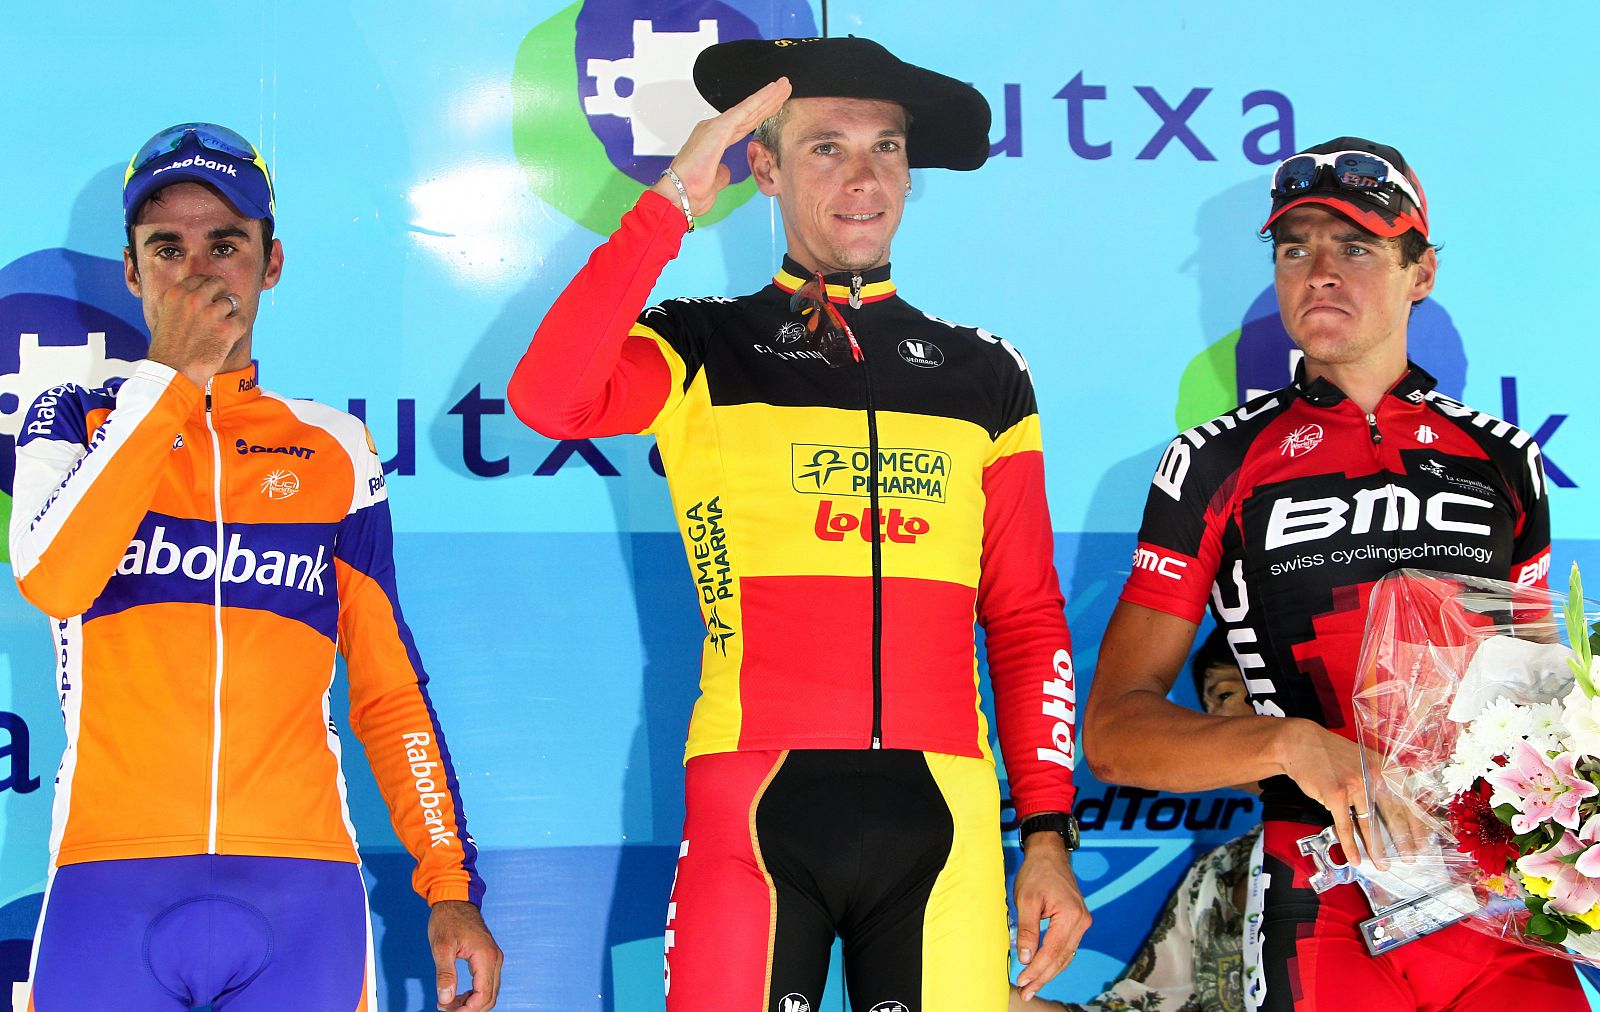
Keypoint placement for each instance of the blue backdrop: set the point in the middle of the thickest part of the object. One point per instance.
(444, 168)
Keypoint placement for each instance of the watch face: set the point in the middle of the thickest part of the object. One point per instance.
(1070, 832)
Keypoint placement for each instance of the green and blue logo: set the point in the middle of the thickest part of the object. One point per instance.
(603, 97)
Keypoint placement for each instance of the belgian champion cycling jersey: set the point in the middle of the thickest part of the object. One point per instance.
(202, 554)
(1286, 511)
(844, 528)
(819, 634)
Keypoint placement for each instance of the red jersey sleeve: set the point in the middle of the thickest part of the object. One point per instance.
(591, 370)
(1180, 537)
(1020, 607)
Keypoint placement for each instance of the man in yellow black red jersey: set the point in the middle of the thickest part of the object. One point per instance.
(1283, 514)
(856, 482)
(202, 547)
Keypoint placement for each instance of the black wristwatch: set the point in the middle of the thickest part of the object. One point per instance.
(1052, 822)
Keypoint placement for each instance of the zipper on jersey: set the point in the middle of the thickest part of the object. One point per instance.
(216, 610)
(855, 291)
(876, 539)
(1372, 428)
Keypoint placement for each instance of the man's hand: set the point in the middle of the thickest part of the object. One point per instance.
(699, 162)
(196, 327)
(456, 931)
(1327, 767)
(1046, 888)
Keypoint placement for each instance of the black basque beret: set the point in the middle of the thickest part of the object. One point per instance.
(949, 118)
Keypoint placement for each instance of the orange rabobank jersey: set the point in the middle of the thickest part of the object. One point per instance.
(202, 553)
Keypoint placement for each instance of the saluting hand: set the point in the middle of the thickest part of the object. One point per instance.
(699, 162)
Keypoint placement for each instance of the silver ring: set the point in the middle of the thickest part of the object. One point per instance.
(1363, 815)
(233, 300)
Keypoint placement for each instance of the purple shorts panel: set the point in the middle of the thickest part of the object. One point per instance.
(241, 933)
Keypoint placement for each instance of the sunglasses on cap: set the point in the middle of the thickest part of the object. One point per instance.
(209, 136)
(831, 337)
(1357, 171)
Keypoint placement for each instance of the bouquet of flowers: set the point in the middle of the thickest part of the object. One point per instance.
(1480, 731)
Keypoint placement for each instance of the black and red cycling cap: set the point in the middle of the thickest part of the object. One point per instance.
(1367, 182)
(949, 118)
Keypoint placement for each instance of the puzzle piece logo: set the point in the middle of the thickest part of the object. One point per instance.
(64, 318)
(650, 91)
(604, 97)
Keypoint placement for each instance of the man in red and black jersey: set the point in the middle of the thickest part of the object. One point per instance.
(856, 482)
(1283, 514)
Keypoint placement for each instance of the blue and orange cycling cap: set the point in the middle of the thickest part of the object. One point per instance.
(1367, 182)
(204, 153)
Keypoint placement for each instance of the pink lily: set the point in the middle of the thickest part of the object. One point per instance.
(1571, 892)
(1589, 861)
(1546, 789)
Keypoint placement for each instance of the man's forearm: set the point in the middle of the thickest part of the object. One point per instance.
(577, 378)
(1144, 740)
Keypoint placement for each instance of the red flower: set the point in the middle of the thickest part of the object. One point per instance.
(1479, 832)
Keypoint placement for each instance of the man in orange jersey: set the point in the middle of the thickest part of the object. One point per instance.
(856, 482)
(202, 546)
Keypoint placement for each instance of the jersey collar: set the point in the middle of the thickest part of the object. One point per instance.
(875, 284)
(1412, 385)
(237, 387)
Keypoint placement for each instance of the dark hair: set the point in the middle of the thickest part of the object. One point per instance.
(1412, 244)
(1214, 652)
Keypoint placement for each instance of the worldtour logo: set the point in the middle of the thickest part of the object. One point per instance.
(1301, 441)
(270, 567)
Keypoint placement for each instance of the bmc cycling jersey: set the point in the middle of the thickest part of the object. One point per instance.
(825, 628)
(1285, 511)
(202, 553)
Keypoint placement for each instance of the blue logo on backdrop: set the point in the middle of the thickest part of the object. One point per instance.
(1266, 125)
(64, 317)
(633, 60)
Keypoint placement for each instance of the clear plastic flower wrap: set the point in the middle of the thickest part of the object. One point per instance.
(1480, 732)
